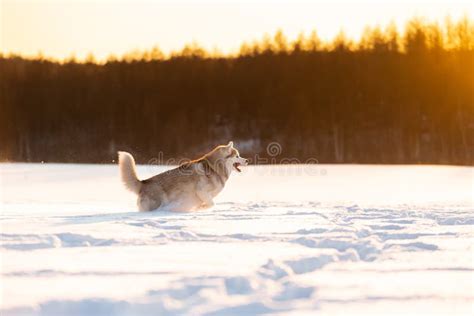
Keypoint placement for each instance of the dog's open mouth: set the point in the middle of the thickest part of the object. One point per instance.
(236, 166)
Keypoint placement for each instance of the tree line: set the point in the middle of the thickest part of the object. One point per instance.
(390, 97)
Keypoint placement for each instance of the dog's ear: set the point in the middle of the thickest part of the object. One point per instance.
(230, 144)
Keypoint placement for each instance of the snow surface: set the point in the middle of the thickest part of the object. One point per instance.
(286, 240)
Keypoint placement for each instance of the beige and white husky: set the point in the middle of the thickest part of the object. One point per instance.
(190, 186)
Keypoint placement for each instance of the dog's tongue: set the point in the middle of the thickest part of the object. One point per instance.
(236, 166)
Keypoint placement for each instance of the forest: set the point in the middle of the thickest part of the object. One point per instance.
(391, 97)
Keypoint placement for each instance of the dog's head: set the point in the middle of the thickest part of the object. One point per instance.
(229, 157)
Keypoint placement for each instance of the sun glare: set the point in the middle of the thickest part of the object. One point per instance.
(61, 29)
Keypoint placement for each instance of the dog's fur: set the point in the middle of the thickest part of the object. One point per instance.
(190, 186)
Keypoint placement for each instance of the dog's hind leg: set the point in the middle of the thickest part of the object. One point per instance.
(146, 204)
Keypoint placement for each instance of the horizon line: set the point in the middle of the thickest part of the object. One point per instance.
(267, 38)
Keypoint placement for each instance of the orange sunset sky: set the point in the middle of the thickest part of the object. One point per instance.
(60, 29)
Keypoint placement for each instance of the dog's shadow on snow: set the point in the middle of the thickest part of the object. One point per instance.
(119, 217)
(226, 209)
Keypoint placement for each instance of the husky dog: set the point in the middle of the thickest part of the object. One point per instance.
(188, 187)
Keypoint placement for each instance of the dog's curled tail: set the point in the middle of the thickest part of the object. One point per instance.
(128, 172)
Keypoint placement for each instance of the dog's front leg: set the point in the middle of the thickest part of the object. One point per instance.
(206, 199)
(208, 204)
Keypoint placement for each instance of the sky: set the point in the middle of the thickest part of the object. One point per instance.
(62, 28)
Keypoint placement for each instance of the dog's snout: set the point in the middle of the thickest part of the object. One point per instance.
(246, 161)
